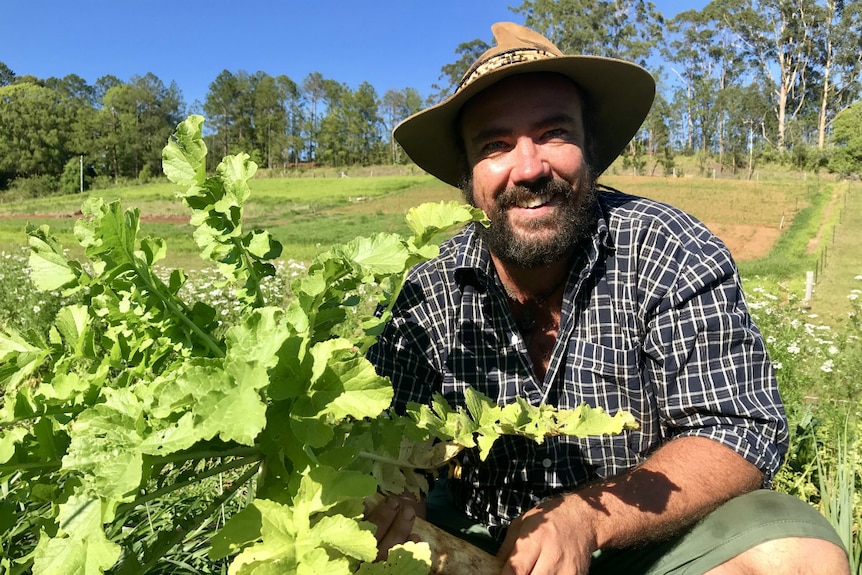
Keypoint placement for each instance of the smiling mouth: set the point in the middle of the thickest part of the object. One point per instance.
(535, 201)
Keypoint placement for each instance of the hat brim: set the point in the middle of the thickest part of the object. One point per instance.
(619, 93)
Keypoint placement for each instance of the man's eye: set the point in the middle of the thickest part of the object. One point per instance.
(556, 133)
(494, 146)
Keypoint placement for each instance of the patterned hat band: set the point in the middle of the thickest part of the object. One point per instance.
(507, 58)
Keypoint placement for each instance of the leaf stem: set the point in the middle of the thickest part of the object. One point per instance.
(241, 451)
(253, 276)
(46, 413)
(176, 486)
(32, 466)
(184, 526)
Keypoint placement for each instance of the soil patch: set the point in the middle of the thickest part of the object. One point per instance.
(746, 241)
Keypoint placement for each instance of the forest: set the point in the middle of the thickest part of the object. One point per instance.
(740, 82)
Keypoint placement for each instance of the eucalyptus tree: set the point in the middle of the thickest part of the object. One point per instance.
(627, 29)
(705, 58)
(777, 39)
(451, 74)
(839, 58)
(749, 115)
(396, 106)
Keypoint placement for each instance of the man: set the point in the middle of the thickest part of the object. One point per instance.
(576, 294)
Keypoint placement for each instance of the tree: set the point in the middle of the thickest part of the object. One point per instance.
(74, 88)
(847, 135)
(294, 117)
(269, 118)
(7, 76)
(839, 51)
(35, 128)
(777, 40)
(135, 121)
(313, 87)
(332, 137)
(451, 74)
(627, 29)
(221, 107)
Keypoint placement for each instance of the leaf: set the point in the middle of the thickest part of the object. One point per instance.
(183, 159)
(73, 323)
(74, 555)
(409, 558)
(428, 220)
(586, 420)
(49, 268)
(9, 438)
(241, 530)
(106, 445)
(379, 254)
(345, 536)
(322, 488)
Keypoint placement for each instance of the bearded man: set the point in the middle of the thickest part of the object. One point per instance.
(578, 293)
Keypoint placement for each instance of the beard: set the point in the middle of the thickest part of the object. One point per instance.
(570, 223)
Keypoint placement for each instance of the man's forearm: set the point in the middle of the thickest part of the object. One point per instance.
(680, 483)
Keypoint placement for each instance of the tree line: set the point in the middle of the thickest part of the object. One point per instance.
(739, 82)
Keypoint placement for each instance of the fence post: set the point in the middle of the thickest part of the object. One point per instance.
(809, 285)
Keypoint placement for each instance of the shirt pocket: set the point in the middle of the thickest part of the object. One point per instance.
(611, 378)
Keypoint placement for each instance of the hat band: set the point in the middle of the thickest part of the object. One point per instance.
(507, 58)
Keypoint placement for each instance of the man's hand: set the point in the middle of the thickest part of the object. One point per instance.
(551, 539)
(394, 520)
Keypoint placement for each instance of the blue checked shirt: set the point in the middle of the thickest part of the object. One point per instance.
(653, 322)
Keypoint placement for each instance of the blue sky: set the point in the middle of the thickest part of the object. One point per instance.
(389, 43)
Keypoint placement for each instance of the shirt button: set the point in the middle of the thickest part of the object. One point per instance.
(546, 463)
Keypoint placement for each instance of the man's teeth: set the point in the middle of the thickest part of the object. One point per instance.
(534, 202)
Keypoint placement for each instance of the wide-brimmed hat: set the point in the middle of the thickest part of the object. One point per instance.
(619, 96)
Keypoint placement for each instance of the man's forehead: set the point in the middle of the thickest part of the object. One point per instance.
(516, 94)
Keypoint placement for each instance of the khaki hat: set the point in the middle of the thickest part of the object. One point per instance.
(619, 94)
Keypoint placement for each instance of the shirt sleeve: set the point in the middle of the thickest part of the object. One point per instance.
(708, 361)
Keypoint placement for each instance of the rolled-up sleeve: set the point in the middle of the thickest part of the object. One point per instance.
(708, 362)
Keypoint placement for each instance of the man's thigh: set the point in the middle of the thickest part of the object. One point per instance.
(735, 527)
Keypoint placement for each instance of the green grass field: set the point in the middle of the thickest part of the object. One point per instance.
(309, 214)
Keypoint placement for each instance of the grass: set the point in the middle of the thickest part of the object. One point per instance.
(840, 258)
(309, 214)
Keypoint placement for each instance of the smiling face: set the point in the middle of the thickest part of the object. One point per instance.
(524, 139)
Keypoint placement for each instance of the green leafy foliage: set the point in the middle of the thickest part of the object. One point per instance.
(136, 395)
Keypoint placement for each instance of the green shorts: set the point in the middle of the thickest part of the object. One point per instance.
(733, 528)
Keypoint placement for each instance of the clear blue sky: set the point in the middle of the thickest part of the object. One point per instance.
(389, 43)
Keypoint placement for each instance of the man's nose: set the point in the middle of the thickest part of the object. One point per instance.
(529, 164)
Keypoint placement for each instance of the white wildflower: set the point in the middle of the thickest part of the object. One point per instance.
(793, 348)
(832, 350)
(776, 365)
(827, 366)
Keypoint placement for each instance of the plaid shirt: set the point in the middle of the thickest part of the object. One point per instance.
(653, 322)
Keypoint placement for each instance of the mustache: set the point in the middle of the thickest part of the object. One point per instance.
(518, 194)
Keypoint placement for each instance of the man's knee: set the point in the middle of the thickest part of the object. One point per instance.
(789, 556)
